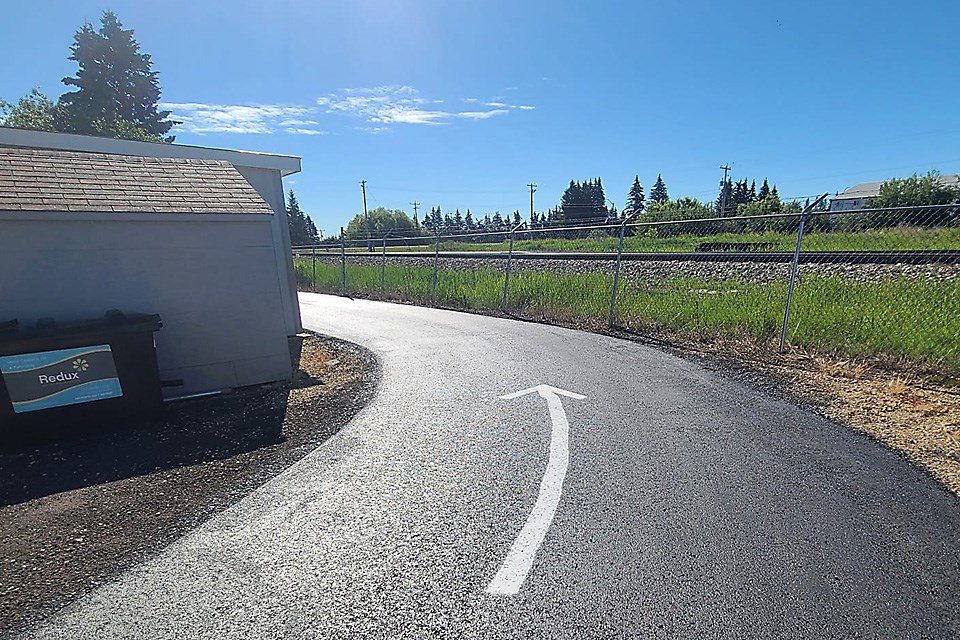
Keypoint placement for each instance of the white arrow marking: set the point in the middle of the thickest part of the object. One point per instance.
(519, 559)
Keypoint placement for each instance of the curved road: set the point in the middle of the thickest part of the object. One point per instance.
(692, 506)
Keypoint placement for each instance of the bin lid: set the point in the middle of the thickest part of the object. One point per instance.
(112, 322)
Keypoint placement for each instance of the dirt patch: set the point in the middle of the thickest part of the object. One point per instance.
(80, 511)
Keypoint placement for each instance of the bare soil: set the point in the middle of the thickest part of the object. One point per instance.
(78, 512)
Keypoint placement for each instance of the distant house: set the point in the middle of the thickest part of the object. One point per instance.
(859, 196)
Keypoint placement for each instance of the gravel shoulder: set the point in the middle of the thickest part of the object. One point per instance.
(76, 513)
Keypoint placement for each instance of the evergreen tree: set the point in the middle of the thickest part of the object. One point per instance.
(659, 195)
(773, 192)
(635, 199)
(764, 190)
(517, 218)
(117, 90)
(497, 221)
(457, 221)
(725, 204)
(752, 194)
(468, 221)
(583, 202)
(302, 229)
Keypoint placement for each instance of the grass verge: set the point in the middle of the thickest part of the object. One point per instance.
(907, 320)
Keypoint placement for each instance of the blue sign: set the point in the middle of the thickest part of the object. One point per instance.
(58, 378)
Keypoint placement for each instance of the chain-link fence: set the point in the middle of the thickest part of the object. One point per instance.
(877, 282)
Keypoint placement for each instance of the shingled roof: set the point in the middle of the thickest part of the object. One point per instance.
(52, 180)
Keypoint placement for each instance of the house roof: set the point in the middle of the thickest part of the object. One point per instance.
(872, 189)
(55, 180)
(14, 137)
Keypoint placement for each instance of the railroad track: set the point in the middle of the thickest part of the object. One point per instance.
(940, 256)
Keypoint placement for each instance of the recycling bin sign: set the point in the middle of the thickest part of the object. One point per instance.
(58, 378)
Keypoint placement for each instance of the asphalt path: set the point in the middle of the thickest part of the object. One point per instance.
(693, 505)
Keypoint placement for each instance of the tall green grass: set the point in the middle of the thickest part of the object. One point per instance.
(900, 317)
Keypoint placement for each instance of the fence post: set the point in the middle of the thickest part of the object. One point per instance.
(616, 272)
(506, 277)
(313, 255)
(343, 264)
(436, 266)
(793, 271)
(383, 264)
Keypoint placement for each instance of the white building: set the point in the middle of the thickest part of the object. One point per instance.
(197, 235)
(859, 196)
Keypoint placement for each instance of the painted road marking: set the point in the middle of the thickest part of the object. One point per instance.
(519, 559)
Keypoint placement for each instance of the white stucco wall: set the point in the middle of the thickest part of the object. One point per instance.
(269, 185)
(214, 279)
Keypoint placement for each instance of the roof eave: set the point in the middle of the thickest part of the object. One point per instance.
(13, 137)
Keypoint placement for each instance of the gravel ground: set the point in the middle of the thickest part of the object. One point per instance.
(77, 513)
(660, 270)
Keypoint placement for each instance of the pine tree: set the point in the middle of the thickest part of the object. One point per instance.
(773, 192)
(752, 194)
(117, 89)
(741, 194)
(764, 190)
(302, 229)
(658, 194)
(468, 221)
(497, 221)
(635, 199)
(725, 204)
(517, 218)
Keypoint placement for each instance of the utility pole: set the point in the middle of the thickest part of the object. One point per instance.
(723, 190)
(533, 188)
(366, 218)
(415, 205)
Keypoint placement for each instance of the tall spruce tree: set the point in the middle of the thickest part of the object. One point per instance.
(659, 195)
(725, 204)
(302, 228)
(635, 199)
(764, 190)
(117, 90)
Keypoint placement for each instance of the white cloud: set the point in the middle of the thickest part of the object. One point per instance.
(233, 118)
(300, 131)
(482, 115)
(375, 106)
(401, 104)
(526, 107)
(373, 130)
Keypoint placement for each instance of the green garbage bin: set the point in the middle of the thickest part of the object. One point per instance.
(76, 377)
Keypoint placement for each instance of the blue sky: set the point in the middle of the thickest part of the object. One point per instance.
(461, 104)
